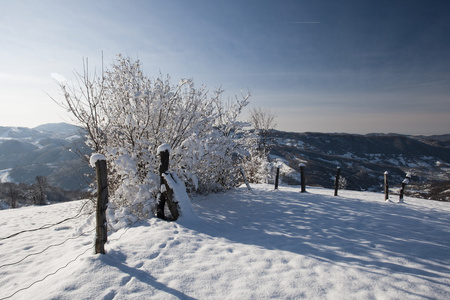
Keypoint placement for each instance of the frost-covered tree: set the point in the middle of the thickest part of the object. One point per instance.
(257, 165)
(127, 116)
(342, 183)
(257, 168)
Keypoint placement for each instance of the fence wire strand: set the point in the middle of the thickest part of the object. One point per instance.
(46, 226)
(48, 275)
(50, 246)
(59, 269)
(54, 245)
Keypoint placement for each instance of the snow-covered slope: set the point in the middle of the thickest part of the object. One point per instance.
(257, 244)
(364, 159)
(49, 150)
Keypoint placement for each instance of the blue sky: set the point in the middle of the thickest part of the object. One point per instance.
(331, 66)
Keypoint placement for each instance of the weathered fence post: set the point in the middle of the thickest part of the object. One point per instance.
(336, 181)
(163, 168)
(245, 178)
(277, 178)
(386, 186)
(102, 202)
(166, 191)
(402, 190)
(302, 178)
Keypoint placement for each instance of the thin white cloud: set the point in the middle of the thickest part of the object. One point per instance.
(304, 22)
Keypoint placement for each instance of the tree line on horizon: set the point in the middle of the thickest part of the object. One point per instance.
(15, 195)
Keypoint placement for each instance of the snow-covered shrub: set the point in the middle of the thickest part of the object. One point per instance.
(127, 116)
(257, 167)
(342, 183)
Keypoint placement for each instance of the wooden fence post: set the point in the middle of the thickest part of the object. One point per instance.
(245, 178)
(102, 202)
(402, 190)
(386, 186)
(302, 178)
(277, 178)
(336, 181)
(166, 192)
(163, 168)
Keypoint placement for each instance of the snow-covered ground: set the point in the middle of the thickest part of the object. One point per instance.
(257, 244)
(4, 175)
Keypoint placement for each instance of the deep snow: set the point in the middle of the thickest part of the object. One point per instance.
(256, 244)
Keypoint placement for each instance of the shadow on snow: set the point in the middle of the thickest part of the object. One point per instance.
(334, 229)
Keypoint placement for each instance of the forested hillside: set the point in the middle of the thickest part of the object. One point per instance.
(53, 151)
(364, 159)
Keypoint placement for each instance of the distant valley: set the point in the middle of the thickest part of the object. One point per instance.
(363, 159)
(51, 150)
(55, 151)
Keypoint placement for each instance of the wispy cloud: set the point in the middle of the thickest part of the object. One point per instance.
(304, 22)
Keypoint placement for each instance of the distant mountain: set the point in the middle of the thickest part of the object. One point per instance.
(363, 159)
(435, 140)
(59, 128)
(50, 150)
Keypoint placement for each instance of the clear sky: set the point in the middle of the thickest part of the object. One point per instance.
(355, 66)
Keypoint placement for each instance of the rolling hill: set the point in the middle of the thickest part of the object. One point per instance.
(52, 150)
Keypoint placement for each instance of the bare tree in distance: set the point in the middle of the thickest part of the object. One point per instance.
(40, 187)
(262, 120)
(257, 166)
(13, 193)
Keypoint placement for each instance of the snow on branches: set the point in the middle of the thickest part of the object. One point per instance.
(127, 115)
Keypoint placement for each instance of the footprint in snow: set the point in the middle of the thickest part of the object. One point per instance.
(62, 228)
(125, 280)
(110, 295)
(174, 243)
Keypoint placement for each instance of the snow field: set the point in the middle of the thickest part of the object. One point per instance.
(258, 244)
(26, 253)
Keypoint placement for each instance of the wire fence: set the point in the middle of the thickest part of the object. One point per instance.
(46, 226)
(48, 275)
(79, 214)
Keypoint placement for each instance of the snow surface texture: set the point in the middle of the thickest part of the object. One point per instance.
(256, 244)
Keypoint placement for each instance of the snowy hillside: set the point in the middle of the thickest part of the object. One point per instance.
(364, 159)
(49, 150)
(257, 244)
